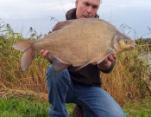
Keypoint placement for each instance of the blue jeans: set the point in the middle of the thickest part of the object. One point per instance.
(94, 100)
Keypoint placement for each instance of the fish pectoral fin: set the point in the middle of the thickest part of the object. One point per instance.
(27, 58)
(61, 25)
(58, 65)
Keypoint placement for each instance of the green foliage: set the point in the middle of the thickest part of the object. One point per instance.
(10, 71)
(8, 56)
(139, 108)
(24, 107)
(130, 79)
(126, 80)
(28, 107)
(145, 44)
(137, 66)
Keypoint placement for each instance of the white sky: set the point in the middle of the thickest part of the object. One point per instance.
(21, 9)
(26, 9)
(38, 12)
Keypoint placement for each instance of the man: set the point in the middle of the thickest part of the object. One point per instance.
(82, 87)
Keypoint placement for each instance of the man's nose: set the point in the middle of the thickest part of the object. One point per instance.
(89, 9)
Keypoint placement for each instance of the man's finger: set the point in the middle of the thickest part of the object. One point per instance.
(45, 53)
(41, 51)
(112, 58)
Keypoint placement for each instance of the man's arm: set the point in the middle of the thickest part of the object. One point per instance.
(108, 64)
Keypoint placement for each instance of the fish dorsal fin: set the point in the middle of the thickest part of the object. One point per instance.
(61, 25)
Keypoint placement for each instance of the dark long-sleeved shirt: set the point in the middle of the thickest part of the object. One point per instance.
(89, 75)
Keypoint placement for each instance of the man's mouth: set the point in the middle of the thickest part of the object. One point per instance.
(87, 16)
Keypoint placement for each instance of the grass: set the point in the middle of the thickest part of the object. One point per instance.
(22, 108)
(139, 108)
(28, 107)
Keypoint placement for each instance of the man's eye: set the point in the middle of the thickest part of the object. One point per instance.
(95, 6)
(87, 4)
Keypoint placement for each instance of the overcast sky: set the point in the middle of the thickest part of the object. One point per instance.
(129, 16)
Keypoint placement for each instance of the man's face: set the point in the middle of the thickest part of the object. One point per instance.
(87, 8)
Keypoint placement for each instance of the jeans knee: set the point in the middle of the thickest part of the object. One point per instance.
(56, 113)
(57, 82)
(119, 113)
(110, 114)
(52, 74)
(54, 78)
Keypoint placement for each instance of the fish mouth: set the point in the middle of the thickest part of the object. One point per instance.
(133, 45)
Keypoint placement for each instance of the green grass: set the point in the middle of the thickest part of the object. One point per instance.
(139, 108)
(16, 107)
(27, 107)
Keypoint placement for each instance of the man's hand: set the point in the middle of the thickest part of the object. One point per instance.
(107, 63)
(44, 53)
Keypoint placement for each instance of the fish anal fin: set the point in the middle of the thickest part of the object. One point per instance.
(61, 25)
(27, 58)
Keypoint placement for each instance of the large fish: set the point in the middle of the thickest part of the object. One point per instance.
(76, 43)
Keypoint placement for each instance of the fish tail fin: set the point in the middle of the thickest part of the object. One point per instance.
(25, 46)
